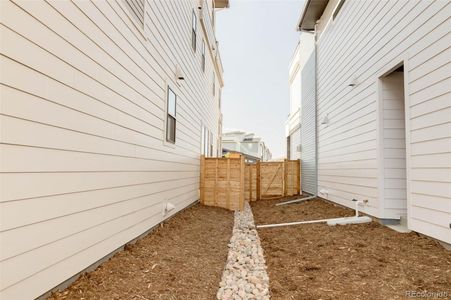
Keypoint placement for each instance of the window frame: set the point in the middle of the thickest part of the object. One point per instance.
(170, 116)
(220, 99)
(207, 139)
(202, 142)
(194, 31)
(214, 84)
(211, 143)
(289, 147)
(203, 56)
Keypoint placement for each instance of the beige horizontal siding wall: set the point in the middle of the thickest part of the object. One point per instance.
(364, 39)
(84, 165)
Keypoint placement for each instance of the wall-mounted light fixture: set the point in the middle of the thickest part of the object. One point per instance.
(179, 77)
(325, 120)
(353, 82)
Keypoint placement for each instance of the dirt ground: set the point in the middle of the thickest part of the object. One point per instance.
(184, 259)
(365, 261)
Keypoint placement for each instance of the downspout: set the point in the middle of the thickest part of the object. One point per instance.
(316, 127)
(316, 108)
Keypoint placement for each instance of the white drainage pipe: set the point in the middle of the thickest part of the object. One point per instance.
(357, 202)
(349, 220)
(292, 223)
(331, 222)
(296, 200)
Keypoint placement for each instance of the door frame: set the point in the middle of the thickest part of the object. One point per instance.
(386, 70)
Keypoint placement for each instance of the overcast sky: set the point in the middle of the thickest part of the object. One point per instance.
(257, 39)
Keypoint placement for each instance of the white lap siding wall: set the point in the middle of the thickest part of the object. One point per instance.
(84, 163)
(308, 128)
(295, 143)
(294, 121)
(366, 39)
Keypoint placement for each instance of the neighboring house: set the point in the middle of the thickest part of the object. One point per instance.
(245, 143)
(302, 52)
(233, 154)
(383, 107)
(106, 107)
(302, 108)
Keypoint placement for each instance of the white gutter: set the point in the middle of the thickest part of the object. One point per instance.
(210, 40)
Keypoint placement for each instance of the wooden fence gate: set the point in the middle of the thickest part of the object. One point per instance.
(228, 182)
(272, 180)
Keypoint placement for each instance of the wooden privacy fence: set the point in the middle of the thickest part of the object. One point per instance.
(228, 182)
(222, 182)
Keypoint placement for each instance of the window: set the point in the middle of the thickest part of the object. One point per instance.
(202, 141)
(219, 148)
(170, 118)
(136, 9)
(206, 142)
(194, 31)
(211, 144)
(203, 55)
(337, 9)
(288, 147)
(213, 21)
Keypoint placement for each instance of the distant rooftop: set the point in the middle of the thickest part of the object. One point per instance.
(222, 3)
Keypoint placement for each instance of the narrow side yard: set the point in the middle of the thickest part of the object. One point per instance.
(364, 261)
(183, 259)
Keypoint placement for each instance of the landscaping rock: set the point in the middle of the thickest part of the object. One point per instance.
(245, 274)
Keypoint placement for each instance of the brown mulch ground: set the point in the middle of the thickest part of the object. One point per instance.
(184, 259)
(365, 261)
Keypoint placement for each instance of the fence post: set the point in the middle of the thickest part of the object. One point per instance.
(298, 177)
(294, 177)
(242, 182)
(202, 179)
(285, 178)
(250, 183)
(216, 183)
(257, 183)
(228, 184)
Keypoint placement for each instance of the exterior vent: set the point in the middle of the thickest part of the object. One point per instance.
(298, 148)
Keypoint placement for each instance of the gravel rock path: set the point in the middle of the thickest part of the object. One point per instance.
(245, 274)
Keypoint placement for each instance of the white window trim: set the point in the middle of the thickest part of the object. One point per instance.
(173, 87)
(207, 141)
(203, 56)
(214, 84)
(194, 14)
